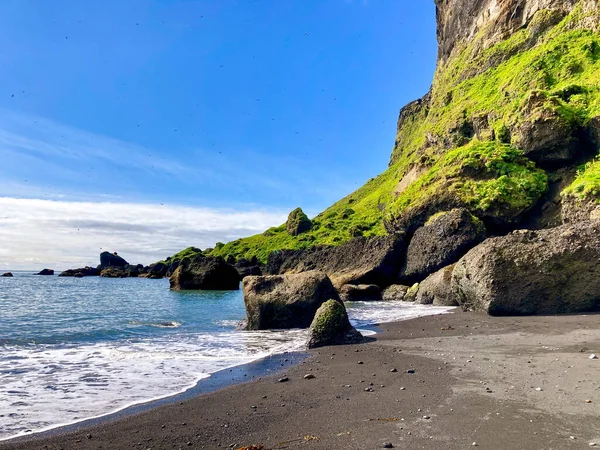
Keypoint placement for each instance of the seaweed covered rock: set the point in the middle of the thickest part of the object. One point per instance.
(442, 241)
(114, 272)
(205, 273)
(45, 272)
(395, 292)
(297, 222)
(111, 260)
(373, 260)
(285, 301)
(436, 289)
(360, 293)
(528, 272)
(331, 326)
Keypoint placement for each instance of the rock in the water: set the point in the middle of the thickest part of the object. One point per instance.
(360, 293)
(45, 272)
(532, 272)
(114, 272)
(84, 272)
(373, 260)
(158, 270)
(411, 293)
(111, 260)
(7, 274)
(395, 292)
(285, 301)
(297, 222)
(205, 273)
(436, 289)
(441, 242)
(331, 326)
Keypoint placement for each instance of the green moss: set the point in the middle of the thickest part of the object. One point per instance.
(297, 222)
(586, 185)
(489, 177)
(330, 316)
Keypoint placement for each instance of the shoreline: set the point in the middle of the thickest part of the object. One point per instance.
(475, 380)
(240, 374)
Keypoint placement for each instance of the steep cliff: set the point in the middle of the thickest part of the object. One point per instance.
(509, 130)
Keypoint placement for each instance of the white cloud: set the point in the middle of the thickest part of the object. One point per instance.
(38, 233)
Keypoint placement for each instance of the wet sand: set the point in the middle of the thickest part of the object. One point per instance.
(499, 383)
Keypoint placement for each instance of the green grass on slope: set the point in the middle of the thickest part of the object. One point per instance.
(485, 93)
(586, 185)
(564, 67)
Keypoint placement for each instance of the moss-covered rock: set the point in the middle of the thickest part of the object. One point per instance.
(331, 326)
(297, 222)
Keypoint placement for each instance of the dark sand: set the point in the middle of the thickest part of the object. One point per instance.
(502, 383)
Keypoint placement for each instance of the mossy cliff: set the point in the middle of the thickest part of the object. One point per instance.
(512, 118)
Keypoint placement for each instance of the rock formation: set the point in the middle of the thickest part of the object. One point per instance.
(7, 274)
(331, 326)
(532, 272)
(205, 273)
(360, 293)
(285, 301)
(442, 241)
(111, 260)
(45, 272)
(297, 222)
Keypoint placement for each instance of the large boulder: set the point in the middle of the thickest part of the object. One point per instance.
(158, 270)
(205, 273)
(527, 272)
(436, 289)
(441, 242)
(331, 326)
(575, 209)
(395, 292)
(82, 272)
(360, 293)
(297, 222)
(7, 274)
(45, 272)
(373, 260)
(285, 301)
(111, 260)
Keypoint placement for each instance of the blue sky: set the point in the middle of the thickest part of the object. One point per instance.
(224, 106)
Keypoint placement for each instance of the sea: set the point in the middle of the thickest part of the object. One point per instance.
(72, 349)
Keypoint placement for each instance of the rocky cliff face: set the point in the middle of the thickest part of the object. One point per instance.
(508, 131)
(460, 21)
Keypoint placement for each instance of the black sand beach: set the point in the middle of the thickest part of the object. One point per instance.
(495, 383)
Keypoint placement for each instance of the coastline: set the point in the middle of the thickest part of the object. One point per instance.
(476, 380)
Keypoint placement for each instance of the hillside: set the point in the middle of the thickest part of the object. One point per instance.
(509, 129)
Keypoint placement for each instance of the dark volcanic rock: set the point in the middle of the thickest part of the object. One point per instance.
(205, 273)
(285, 301)
(574, 209)
(436, 289)
(114, 272)
(443, 241)
(331, 326)
(550, 271)
(374, 260)
(111, 260)
(360, 293)
(7, 274)
(297, 222)
(45, 272)
(84, 271)
(395, 292)
(244, 272)
(158, 270)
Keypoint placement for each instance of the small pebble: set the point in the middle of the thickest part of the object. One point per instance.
(394, 370)
(402, 388)
(592, 356)
(539, 389)
(387, 445)
(283, 380)
(474, 444)
(309, 376)
(360, 362)
(426, 417)
(410, 371)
